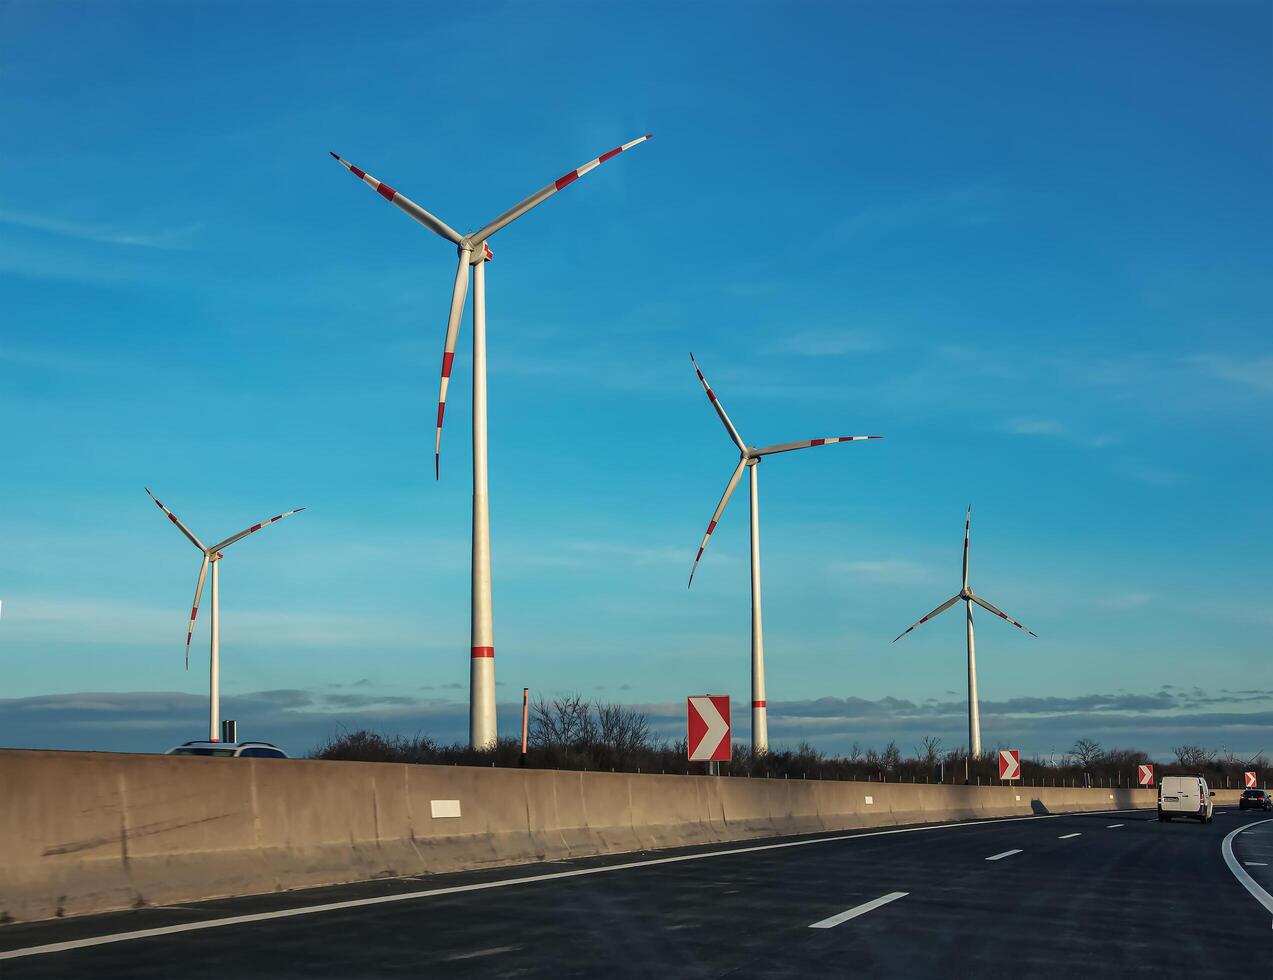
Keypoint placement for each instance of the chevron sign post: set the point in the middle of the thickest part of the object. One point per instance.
(1009, 764)
(1145, 775)
(1250, 779)
(708, 731)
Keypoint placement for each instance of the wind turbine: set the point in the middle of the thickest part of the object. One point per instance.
(749, 458)
(475, 253)
(212, 556)
(969, 597)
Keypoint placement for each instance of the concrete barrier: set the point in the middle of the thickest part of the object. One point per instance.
(89, 832)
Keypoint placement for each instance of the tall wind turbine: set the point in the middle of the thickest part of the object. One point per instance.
(475, 253)
(212, 556)
(969, 597)
(749, 458)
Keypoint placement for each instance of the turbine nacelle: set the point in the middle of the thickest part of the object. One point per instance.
(478, 252)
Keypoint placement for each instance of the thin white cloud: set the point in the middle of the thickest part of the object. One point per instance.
(1125, 601)
(960, 206)
(166, 239)
(1256, 373)
(1025, 426)
(831, 342)
(891, 571)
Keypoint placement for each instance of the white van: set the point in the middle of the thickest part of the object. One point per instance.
(1185, 796)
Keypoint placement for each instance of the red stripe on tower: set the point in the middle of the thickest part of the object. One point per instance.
(570, 178)
(480, 653)
(446, 364)
(441, 409)
(758, 704)
(818, 442)
(385, 191)
(606, 156)
(711, 527)
(356, 172)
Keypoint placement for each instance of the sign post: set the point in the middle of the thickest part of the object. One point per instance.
(1145, 774)
(707, 728)
(1009, 764)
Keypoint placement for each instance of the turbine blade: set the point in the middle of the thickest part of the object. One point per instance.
(940, 609)
(544, 193)
(458, 292)
(252, 530)
(434, 224)
(173, 517)
(967, 526)
(720, 509)
(786, 447)
(1002, 615)
(720, 409)
(194, 609)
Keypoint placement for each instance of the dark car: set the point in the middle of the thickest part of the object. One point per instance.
(1255, 799)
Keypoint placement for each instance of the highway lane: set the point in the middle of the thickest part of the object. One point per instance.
(1101, 894)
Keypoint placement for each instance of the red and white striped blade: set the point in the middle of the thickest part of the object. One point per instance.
(720, 509)
(194, 609)
(173, 517)
(940, 609)
(786, 447)
(253, 529)
(967, 526)
(408, 206)
(456, 314)
(544, 193)
(1002, 615)
(720, 409)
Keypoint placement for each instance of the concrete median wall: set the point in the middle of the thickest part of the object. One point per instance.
(88, 832)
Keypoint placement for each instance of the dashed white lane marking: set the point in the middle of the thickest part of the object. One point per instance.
(1247, 882)
(1068, 836)
(853, 913)
(477, 953)
(236, 920)
(1112, 826)
(1255, 864)
(1004, 854)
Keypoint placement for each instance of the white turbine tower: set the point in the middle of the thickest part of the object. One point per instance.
(212, 556)
(474, 252)
(749, 458)
(969, 597)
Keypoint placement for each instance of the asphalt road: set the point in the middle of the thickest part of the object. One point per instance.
(1093, 895)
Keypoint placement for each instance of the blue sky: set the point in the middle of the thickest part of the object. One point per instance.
(1030, 244)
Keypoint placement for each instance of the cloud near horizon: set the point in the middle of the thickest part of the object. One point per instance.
(299, 720)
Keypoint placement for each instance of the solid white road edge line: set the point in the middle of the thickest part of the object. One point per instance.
(1004, 854)
(235, 920)
(853, 913)
(1249, 883)
(1068, 836)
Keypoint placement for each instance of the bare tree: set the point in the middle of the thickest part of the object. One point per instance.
(1087, 751)
(890, 757)
(931, 749)
(1194, 755)
(855, 753)
(622, 729)
(563, 723)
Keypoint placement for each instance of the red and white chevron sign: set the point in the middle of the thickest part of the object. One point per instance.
(1250, 779)
(1145, 776)
(708, 732)
(1009, 764)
